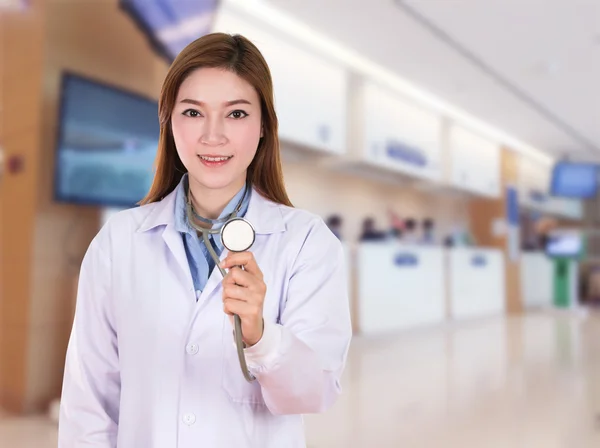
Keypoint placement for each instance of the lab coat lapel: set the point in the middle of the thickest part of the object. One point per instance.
(163, 214)
(214, 280)
(174, 242)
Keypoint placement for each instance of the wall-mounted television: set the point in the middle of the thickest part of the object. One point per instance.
(170, 25)
(576, 180)
(106, 145)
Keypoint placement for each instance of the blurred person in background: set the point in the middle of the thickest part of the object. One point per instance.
(151, 361)
(396, 225)
(369, 232)
(428, 237)
(334, 222)
(543, 227)
(449, 241)
(396, 233)
(410, 235)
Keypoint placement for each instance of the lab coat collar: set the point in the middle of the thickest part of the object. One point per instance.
(264, 215)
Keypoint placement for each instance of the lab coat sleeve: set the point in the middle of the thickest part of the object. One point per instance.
(299, 362)
(89, 411)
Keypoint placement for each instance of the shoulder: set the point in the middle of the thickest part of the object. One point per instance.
(122, 226)
(308, 231)
(302, 222)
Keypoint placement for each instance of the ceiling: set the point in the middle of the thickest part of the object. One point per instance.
(530, 68)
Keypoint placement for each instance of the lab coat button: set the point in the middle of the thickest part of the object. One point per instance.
(189, 419)
(192, 349)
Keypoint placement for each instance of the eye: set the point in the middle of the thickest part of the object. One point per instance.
(191, 113)
(238, 114)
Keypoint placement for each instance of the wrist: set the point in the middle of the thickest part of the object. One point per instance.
(256, 337)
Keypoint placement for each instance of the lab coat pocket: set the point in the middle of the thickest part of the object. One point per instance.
(233, 382)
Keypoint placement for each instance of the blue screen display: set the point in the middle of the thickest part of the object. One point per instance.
(565, 245)
(106, 144)
(171, 25)
(574, 180)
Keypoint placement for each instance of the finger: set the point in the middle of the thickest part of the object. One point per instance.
(242, 309)
(236, 293)
(245, 259)
(237, 276)
(255, 294)
(238, 258)
(247, 281)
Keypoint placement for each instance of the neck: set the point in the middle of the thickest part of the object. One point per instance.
(210, 202)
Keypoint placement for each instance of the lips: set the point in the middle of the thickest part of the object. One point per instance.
(213, 160)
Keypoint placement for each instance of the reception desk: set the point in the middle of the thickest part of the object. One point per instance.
(398, 286)
(537, 276)
(476, 282)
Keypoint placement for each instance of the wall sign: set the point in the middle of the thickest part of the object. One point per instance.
(405, 259)
(513, 221)
(478, 261)
(406, 153)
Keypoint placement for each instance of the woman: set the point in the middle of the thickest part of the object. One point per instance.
(152, 361)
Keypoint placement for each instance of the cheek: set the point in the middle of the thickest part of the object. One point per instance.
(185, 137)
(246, 139)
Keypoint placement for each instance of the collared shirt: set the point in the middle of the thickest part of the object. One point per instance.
(199, 258)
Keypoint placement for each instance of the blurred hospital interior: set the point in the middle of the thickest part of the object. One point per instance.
(451, 146)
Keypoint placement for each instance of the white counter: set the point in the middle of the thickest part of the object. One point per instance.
(476, 282)
(399, 286)
(537, 277)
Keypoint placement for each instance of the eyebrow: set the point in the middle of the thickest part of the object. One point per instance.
(226, 104)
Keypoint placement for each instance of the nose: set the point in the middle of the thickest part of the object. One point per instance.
(213, 132)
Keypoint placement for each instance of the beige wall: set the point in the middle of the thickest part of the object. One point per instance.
(20, 122)
(325, 192)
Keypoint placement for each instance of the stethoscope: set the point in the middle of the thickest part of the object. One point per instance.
(237, 235)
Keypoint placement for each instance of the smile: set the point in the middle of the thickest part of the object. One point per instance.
(215, 159)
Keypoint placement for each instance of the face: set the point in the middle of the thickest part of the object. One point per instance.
(217, 126)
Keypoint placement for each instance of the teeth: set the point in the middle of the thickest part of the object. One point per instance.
(214, 159)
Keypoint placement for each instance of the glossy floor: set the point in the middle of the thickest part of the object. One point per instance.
(532, 381)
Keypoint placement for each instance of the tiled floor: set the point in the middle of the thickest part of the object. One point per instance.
(530, 382)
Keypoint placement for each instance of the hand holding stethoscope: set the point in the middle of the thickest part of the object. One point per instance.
(244, 294)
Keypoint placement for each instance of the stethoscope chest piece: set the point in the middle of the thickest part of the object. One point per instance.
(237, 235)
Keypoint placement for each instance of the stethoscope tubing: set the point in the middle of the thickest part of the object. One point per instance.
(239, 341)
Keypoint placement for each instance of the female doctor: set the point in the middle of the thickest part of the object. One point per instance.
(152, 359)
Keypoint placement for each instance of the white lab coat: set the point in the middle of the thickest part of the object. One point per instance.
(149, 366)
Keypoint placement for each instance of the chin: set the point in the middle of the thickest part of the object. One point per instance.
(215, 182)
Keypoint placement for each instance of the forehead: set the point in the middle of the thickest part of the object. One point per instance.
(216, 85)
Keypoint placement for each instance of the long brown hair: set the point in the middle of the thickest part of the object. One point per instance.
(240, 56)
